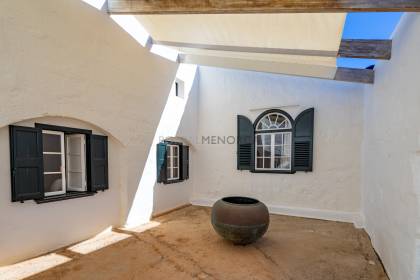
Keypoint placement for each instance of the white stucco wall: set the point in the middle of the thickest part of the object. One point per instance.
(65, 58)
(391, 163)
(331, 191)
(65, 63)
(29, 229)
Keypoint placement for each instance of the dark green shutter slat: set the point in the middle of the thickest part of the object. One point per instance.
(161, 163)
(98, 151)
(303, 141)
(26, 163)
(185, 162)
(245, 144)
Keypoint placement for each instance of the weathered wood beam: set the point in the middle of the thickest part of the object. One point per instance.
(259, 6)
(354, 75)
(373, 49)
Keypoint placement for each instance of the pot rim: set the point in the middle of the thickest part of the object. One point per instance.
(250, 201)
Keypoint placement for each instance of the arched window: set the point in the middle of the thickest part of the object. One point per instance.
(273, 121)
(273, 141)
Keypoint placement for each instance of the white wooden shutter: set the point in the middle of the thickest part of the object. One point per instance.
(76, 162)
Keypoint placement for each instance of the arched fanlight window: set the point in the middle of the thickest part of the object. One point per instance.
(273, 141)
(273, 121)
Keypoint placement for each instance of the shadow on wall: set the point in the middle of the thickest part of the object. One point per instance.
(140, 208)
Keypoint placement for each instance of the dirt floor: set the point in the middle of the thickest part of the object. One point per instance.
(185, 246)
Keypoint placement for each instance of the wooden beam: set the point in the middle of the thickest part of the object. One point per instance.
(259, 6)
(366, 76)
(372, 49)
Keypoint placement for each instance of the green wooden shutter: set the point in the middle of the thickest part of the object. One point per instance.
(303, 141)
(185, 157)
(161, 162)
(98, 155)
(26, 163)
(245, 144)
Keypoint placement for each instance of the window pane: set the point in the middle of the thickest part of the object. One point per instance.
(278, 139)
(259, 151)
(259, 140)
(265, 122)
(75, 179)
(267, 151)
(52, 183)
(267, 139)
(286, 150)
(267, 162)
(74, 163)
(287, 138)
(175, 151)
(169, 163)
(175, 162)
(168, 172)
(260, 163)
(168, 151)
(175, 172)
(51, 142)
(277, 162)
(285, 162)
(273, 118)
(278, 151)
(74, 145)
(52, 163)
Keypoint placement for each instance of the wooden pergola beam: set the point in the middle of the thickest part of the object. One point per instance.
(259, 6)
(372, 49)
(354, 75)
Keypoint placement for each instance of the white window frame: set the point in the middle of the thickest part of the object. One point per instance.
(286, 121)
(62, 172)
(82, 164)
(272, 151)
(170, 157)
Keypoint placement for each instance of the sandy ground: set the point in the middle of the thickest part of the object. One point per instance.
(184, 246)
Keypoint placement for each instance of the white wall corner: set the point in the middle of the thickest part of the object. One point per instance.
(356, 218)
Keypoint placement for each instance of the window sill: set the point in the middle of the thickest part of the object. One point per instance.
(274, 171)
(168, 182)
(68, 195)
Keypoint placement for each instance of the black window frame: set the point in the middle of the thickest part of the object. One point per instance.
(302, 145)
(68, 194)
(181, 146)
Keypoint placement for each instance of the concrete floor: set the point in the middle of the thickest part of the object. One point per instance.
(184, 246)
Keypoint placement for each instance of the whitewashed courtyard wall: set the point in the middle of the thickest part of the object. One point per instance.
(63, 58)
(331, 191)
(391, 162)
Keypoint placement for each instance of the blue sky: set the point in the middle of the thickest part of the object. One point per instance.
(367, 26)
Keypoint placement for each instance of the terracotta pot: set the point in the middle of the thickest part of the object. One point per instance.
(241, 220)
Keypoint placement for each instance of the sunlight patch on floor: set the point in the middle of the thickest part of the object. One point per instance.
(98, 242)
(143, 228)
(31, 267)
